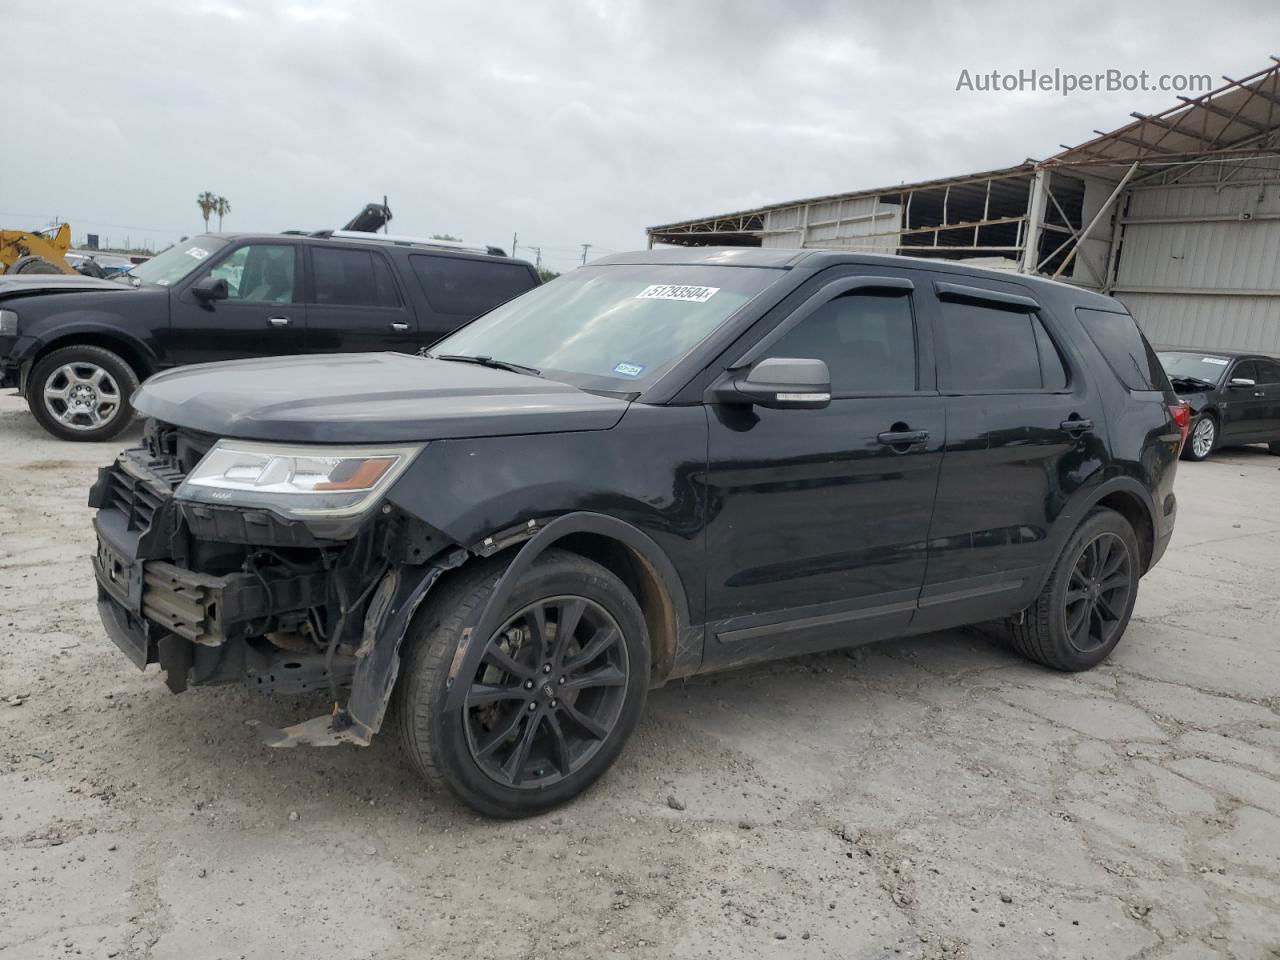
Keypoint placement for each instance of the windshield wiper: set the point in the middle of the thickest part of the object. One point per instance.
(485, 361)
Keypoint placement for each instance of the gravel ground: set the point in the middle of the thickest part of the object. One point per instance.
(933, 798)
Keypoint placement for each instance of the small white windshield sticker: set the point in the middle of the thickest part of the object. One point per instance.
(675, 291)
(629, 369)
(1217, 361)
(198, 252)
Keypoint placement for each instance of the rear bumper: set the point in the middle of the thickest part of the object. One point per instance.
(1165, 522)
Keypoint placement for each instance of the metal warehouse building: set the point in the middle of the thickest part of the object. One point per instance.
(1177, 214)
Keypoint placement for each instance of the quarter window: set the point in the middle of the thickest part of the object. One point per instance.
(463, 287)
(1124, 347)
(867, 341)
(989, 350)
(259, 273)
(353, 278)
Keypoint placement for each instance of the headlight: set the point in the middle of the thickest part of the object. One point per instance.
(8, 323)
(297, 482)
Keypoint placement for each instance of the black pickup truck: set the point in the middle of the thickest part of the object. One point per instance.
(77, 348)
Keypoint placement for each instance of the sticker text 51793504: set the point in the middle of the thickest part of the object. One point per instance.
(676, 291)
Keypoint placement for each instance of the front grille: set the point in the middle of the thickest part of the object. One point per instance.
(140, 482)
(133, 498)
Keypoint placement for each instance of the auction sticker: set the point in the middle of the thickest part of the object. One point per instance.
(629, 369)
(1216, 361)
(675, 291)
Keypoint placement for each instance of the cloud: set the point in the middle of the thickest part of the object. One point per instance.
(569, 123)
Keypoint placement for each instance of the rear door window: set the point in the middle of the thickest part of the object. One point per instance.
(466, 287)
(1125, 349)
(352, 278)
(989, 350)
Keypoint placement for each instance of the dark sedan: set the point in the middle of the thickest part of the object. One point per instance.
(1234, 398)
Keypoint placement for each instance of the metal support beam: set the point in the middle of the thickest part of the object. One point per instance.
(1084, 234)
(1035, 217)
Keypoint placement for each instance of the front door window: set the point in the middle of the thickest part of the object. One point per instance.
(259, 273)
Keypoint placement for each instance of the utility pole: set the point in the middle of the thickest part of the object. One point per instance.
(537, 264)
(513, 243)
(585, 248)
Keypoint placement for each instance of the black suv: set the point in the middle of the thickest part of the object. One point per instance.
(77, 347)
(662, 464)
(1234, 398)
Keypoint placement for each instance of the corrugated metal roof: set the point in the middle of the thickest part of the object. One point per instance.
(1022, 169)
(1238, 116)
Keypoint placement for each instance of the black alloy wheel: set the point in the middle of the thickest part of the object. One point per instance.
(1097, 597)
(548, 692)
(555, 694)
(1083, 608)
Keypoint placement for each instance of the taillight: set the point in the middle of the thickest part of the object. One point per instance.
(1181, 413)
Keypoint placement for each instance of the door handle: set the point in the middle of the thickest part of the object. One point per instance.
(278, 321)
(902, 438)
(399, 326)
(1076, 425)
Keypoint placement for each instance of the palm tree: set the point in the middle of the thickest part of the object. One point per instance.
(221, 206)
(207, 203)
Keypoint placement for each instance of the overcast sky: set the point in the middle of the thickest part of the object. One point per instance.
(568, 123)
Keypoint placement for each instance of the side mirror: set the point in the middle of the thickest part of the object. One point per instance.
(780, 383)
(1242, 383)
(210, 288)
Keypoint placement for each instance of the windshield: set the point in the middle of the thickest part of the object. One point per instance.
(615, 328)
(175, 263)
(1198, 366)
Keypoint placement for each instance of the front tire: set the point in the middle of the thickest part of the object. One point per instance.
(82, 393)
(1085, 606)
(558, 692)
(1202, 438)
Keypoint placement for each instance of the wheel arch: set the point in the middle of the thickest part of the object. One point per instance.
(1126, 496)
(142, 361)
(624, 550)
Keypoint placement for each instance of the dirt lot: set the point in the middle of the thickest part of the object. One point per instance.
(934, 798)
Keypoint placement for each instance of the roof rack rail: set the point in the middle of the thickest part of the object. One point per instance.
(411, 241)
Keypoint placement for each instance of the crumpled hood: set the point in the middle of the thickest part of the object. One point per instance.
(367, 398)
(24, 284)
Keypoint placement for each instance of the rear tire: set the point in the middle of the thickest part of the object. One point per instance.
(1202, 438)
(1273, 448)
(570, 721)
(1085, 606)
(82, 393)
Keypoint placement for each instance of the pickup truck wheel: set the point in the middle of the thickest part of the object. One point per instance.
(1085, 606)
(82, 393)
(557, 693)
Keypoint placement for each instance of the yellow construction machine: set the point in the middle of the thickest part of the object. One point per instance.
(35, 251)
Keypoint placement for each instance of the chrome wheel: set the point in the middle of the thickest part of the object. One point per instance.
(548, 693)
(1202, 437)
(1097, 597)
(82, 396)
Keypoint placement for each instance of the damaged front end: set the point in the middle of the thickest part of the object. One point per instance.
(219, 593)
